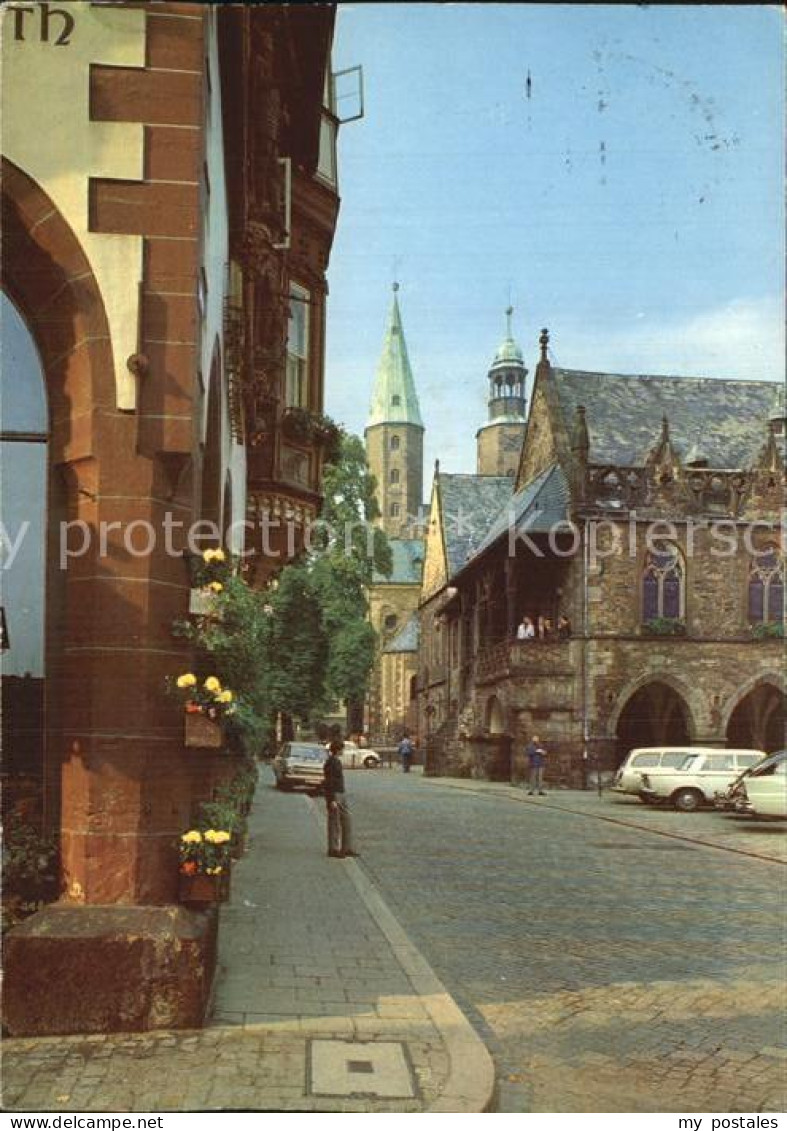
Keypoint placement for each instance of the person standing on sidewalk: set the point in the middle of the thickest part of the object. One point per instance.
(536, 757)
(340, 836)
(406, 752)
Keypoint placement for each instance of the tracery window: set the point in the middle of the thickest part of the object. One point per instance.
(663, 584)
(766, 587)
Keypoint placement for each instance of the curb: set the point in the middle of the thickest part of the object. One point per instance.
(504, 792)
(471, 1077)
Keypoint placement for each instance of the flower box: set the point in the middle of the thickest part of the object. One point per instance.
(201, 888)
(200, 731)
(202, 603)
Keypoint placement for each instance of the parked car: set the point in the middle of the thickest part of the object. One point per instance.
(354, 755)
(299, 763)
(628, 778)
(766, 787)
(733, 799)
(703, 772)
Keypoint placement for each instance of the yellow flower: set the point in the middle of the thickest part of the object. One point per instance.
(208, 555)
(218, 555)
(187, 680)
(193, 836)
(216, 586)
(221, 836)
(224, 696)
(212, 684)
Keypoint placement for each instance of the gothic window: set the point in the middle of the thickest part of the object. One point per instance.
(390, 622)
(663, 584)
(297, 383)
(394, 510)
(766, 587)
(394, 477)
(394, 443)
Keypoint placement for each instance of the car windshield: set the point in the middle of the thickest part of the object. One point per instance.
(306, 753)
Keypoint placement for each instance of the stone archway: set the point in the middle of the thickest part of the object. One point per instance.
(758, 719)
(654, 715)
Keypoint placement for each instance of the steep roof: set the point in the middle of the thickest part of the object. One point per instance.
(394, 400)
(535, 508)
(408, 561)
(470, 504)
(624, 413)
(407, 638)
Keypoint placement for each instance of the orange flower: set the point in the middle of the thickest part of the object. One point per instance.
(188, 868)
(193, 708)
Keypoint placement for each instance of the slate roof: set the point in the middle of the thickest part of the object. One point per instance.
(408, 561)
(727, 418)
(407, 638)
(470, 504)
(535, 509)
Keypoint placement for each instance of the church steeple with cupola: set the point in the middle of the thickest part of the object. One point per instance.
(500, 439)
(395, 433)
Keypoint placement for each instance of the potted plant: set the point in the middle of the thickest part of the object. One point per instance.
(205, 863)
(768, 630)
(210, 572)
(298, 424)
(205, 705)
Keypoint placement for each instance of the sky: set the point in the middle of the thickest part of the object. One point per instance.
(629, 198)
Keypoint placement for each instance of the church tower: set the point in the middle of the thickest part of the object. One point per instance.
(395, 433)
(500, 439)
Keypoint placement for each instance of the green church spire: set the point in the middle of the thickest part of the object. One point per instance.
(394, 400)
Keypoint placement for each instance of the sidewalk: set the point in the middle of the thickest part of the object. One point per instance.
(321, 1004)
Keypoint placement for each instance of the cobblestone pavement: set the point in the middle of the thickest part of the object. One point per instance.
(609, 968)
(301, 960)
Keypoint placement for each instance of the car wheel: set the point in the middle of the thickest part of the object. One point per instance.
(687, 800)
(370, 762)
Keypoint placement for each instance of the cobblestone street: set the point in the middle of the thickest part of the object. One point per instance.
(608, 967)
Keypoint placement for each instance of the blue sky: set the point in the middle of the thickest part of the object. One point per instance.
(632, 204)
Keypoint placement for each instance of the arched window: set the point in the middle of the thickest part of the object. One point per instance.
(663, 585)
(766, 587)
(394, 443)
(394, 476)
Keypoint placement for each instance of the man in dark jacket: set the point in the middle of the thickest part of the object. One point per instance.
(536, 757)
(339, 825)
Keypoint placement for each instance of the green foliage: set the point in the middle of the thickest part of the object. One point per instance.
(30, 872)
(767, 630)
(305, 641)
(665, 626)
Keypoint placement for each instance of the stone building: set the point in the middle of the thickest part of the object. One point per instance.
(395, 453)
(393, 603)
(169, 201)
(646, 510)
(395, 434)
(500, 439)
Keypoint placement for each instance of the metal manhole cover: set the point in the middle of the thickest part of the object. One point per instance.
(371, 1068)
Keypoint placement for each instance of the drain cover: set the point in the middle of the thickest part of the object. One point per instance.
(372, 1068)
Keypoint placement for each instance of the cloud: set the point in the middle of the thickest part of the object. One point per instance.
(743, 340)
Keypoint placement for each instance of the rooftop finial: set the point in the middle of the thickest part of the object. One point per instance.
(395, 287)
(509, 312)
(543, 341)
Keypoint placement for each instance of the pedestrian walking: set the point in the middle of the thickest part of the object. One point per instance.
(406, 752)
(536, 757)
(526, 630)
(340, 836)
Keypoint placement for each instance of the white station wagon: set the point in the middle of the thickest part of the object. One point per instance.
(628, 779)
(703, 772)
(766, 787)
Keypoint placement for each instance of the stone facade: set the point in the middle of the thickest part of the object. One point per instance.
(655, 555)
